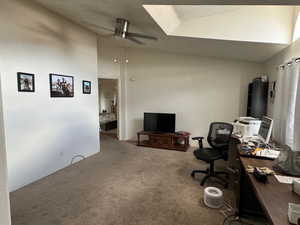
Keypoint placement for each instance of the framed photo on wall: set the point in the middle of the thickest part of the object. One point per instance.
(61, 86)
(86, 87)
(25, 82)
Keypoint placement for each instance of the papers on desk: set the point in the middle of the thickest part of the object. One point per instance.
(285, 179)
(268, 153)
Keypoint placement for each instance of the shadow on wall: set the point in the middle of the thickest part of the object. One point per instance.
(48, 31)
(45, 30)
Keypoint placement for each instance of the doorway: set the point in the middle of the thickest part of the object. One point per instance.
(108, 107)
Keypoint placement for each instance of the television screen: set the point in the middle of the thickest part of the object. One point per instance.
(159, 122)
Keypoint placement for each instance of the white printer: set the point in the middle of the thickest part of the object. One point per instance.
(246, 126)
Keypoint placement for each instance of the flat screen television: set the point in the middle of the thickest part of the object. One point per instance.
(159, 122)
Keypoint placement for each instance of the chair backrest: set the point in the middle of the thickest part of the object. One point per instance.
(219, 135)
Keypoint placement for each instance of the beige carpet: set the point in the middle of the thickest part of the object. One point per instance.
(122, 185)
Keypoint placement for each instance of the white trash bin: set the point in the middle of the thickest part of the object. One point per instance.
(213, 197)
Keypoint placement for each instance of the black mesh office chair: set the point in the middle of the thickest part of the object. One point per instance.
(218, 138)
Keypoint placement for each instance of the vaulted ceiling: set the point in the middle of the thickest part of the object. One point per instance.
(198, 30)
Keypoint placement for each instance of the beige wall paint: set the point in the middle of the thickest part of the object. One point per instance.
(43, 134)
(271, 66)
(254, 23)
(165, 16)
(199, 90)
(4, 198)
(110, 59)
(111, 65)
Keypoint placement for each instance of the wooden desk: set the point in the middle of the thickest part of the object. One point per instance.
(273, 197)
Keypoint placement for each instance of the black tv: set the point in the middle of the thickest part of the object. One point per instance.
(159, 122)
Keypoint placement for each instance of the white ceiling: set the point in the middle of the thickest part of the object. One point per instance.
(99, 16)
(187, 12)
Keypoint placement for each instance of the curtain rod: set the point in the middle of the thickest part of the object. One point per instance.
(290, 62)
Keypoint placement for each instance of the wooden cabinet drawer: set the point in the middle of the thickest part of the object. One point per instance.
(160, 141)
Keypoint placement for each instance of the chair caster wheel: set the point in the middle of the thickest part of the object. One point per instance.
(193, 175)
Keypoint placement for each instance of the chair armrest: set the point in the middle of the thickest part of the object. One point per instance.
(200, 141)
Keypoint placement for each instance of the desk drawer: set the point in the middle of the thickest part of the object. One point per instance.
(160, 141)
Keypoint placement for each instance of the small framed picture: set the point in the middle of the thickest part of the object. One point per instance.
(61, 86)
(25, 82)
(86, 87)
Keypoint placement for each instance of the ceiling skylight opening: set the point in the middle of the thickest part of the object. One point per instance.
(247, 23)
(296, 34)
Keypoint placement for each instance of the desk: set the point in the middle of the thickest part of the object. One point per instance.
(272, 196)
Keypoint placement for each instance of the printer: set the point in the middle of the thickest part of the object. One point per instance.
(246, 126)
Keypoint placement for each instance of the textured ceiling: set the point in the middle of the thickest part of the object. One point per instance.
(99, 16)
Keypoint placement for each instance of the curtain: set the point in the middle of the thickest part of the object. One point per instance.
(287, 106)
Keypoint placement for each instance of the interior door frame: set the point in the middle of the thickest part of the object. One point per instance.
(119, 115)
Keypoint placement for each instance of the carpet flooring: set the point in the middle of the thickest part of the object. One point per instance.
(122, 185)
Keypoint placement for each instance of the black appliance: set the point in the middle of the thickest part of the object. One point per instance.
(159, 122)
(257, 98)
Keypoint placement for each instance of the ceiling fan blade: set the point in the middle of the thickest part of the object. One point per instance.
(129, 34)
(106, 35)
(104, 28)
(135, 40)
(100, 27)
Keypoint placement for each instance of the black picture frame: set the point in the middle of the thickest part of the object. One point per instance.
(61, 86)
(85, 85)
(29, 85)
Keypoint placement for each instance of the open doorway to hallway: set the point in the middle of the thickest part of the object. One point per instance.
(108, 107)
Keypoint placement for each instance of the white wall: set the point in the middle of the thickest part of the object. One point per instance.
(165, 16)
(282, 57)
(111, 65)
(199, 90)
(110, 58)
(264, 24)
(4, 198)
(43, 133)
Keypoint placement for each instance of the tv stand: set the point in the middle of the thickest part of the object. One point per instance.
(172, 141)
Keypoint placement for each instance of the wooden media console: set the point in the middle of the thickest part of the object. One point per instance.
(173, 141)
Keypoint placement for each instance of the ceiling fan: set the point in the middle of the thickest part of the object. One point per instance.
(122, 31)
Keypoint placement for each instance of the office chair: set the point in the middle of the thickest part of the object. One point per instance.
(218, 138)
